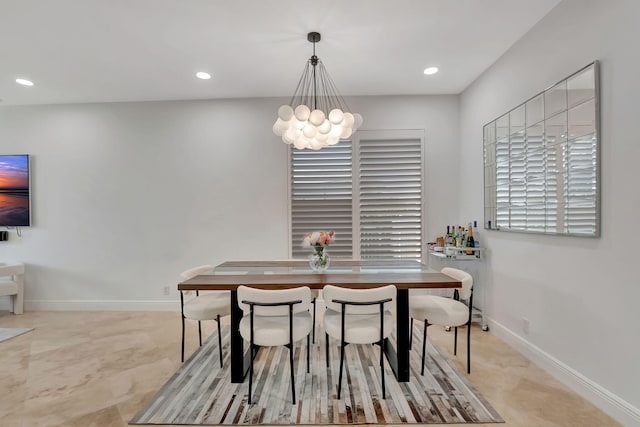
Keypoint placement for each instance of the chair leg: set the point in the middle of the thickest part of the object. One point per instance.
(250, 372)
(424, 345)
(308, 351)
(384, 394)
(219, 339)
(455, 340)
(293, 382)
(200, 332)
(469, 347)
(314, 320)
(341, 365)
(326, 348)
(411, 334)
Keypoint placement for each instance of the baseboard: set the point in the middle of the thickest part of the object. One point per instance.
(610, 403)
(98, 305)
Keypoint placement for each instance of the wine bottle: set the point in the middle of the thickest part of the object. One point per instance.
(470, 241)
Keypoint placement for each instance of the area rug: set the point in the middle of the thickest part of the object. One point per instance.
(8, 333)
(200, 392)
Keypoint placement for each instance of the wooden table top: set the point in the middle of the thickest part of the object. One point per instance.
(292, 273)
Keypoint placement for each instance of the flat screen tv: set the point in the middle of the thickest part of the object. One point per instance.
(15, 209)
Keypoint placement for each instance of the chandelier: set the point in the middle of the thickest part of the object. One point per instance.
(316, 115)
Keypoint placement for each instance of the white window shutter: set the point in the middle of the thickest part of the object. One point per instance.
(390, 195)
(321, 194)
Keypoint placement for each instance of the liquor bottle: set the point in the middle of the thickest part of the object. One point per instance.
(470, 241)
(459, 237)
(447, 237)
(475, 232)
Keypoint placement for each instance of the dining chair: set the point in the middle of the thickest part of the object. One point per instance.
(438, 310)
(358, 316)
(209, 306)
(275, 317)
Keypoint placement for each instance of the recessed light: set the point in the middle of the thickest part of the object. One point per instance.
(202, 75)
(24, 82)
(431, 70)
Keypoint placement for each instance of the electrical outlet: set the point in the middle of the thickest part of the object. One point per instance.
(167, 290)
(525, 325)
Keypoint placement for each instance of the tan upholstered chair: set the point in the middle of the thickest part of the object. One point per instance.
(437, 310)
(358, 316)
(275, 317)
(209, 306)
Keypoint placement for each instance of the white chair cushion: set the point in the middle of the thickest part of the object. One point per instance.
(359, 328)
(274, 330)
(208, 306)
(8, 287)
(438, 310)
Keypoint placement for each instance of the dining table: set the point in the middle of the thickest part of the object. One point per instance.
(355, 274)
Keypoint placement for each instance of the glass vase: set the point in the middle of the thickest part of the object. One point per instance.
(319, 259)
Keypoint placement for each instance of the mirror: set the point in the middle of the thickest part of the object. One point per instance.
(541, 161)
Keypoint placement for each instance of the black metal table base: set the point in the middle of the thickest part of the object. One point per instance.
(398, 359)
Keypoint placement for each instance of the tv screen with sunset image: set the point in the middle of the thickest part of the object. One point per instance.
(14, 191)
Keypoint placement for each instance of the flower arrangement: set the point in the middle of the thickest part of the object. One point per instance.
(318, 240)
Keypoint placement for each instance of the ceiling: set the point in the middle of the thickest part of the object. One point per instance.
(135, 50)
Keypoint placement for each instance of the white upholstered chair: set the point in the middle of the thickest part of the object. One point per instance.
(437, 310)
(12, 284)
(209, 306)
(358, 316)
(275, 317)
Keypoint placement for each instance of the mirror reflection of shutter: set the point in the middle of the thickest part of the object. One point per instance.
(321, 197)
(390, 196)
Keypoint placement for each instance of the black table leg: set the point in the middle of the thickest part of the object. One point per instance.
(237, 358)
(399, 359)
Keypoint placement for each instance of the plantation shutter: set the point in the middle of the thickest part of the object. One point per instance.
(321, 197)
(390, 194)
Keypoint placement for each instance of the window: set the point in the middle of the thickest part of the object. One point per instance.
(369, 191)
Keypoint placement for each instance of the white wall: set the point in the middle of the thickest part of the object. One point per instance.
(580, 295)
(127, 195)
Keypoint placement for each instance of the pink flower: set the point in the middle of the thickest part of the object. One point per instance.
(318, 238)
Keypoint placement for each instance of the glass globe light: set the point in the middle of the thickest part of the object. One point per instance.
(298, 124)
(347, 120)
(322, 137)
(325, 127)
(335, 116)
(336, 130)
(357, 117)
(346, 133)
(309, 131)
(300, 143)
(333, 140)
(285, 112)
(302, 112)
(315, 144)
(316, 117)
(291, 134)
(276, 129)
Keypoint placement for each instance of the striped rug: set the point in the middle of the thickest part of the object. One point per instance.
(8, 333)
(201, 393)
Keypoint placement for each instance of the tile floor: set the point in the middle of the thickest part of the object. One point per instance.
(83, 369)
